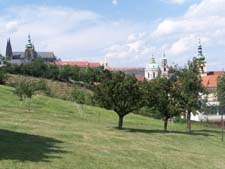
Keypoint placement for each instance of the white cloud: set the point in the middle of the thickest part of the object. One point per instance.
(114, 2)
(133, 52)
(205, 20)
(86, 35)
(71, 34)
(178, 37)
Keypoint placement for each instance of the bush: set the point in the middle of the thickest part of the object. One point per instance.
(179, 120)
(149, 112)
(78, 96)
(3, 76)
(81, 96)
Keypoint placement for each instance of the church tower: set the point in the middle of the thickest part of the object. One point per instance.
(1, 60)
(9, 52)
(164, 67)
(30, 53)
(152, 70)
(200, 61)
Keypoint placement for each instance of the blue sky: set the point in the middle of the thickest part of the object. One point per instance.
(124, 32)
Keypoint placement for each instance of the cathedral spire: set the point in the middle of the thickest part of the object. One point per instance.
(9, 53)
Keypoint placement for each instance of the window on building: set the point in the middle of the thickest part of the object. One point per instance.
(153, 75)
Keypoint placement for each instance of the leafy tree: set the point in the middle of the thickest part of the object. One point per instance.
(121, 93)
(221, 98)
(25, 89)
(38, 68)
(188, 86)
(78, 96)
(221, 91)
(69, 72)
(159, 95)
(53, 72)
(3, 76)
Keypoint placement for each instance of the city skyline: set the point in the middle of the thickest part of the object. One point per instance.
(118, 30)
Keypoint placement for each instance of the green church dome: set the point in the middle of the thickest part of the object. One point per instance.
(152, 64)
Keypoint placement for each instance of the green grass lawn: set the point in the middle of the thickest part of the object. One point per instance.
(61, 135)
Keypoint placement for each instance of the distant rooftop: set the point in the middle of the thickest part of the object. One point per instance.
(81, 64)
(124, 69)
(210, 80)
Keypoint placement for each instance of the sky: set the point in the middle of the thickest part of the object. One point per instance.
(125, 33)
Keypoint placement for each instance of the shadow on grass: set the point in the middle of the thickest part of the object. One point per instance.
(209, 131)
(26, 147)
(193, 133)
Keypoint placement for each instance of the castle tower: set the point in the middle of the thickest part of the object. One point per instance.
(9, 52)
(164, 67)
(30, 53)
(152, 69)
(200, 61)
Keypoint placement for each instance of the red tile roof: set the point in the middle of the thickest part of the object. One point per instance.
(124, 69)
(140, 78)
(81, 64)
(210, 81)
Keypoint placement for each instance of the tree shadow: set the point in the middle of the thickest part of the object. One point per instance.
(27, 147)
(209, 131)
(193, 133)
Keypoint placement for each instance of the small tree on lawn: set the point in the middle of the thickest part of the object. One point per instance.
(120, 93)
(188, 87)
(221, 98)
(221, 91)
(25, 89)
(78, 96)
(159, 95)
(19, 91)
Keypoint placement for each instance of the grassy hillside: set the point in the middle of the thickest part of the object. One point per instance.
(61, 135)
(58, 89)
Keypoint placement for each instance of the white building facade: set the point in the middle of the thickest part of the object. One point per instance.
(153, 70)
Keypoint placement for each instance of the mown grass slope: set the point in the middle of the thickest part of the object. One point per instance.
(58, 134)
(58, 89)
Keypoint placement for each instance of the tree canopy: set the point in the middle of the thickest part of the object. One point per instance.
(189, 90)
(120, 93)
(159, 94)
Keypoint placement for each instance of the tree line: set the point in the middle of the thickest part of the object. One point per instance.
(173, 97)
(38, 68)
(180, 95)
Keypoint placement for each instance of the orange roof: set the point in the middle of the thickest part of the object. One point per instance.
(140, 78)
(81, 64)
(124, 69)
(210, 81)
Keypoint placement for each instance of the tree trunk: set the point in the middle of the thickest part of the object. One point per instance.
(120, 124)
(189, 121)
(165, 123)
(29, 104)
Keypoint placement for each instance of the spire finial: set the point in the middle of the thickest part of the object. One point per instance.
(29, 39)
(200, 48)
(164, 60)
(29, 44)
